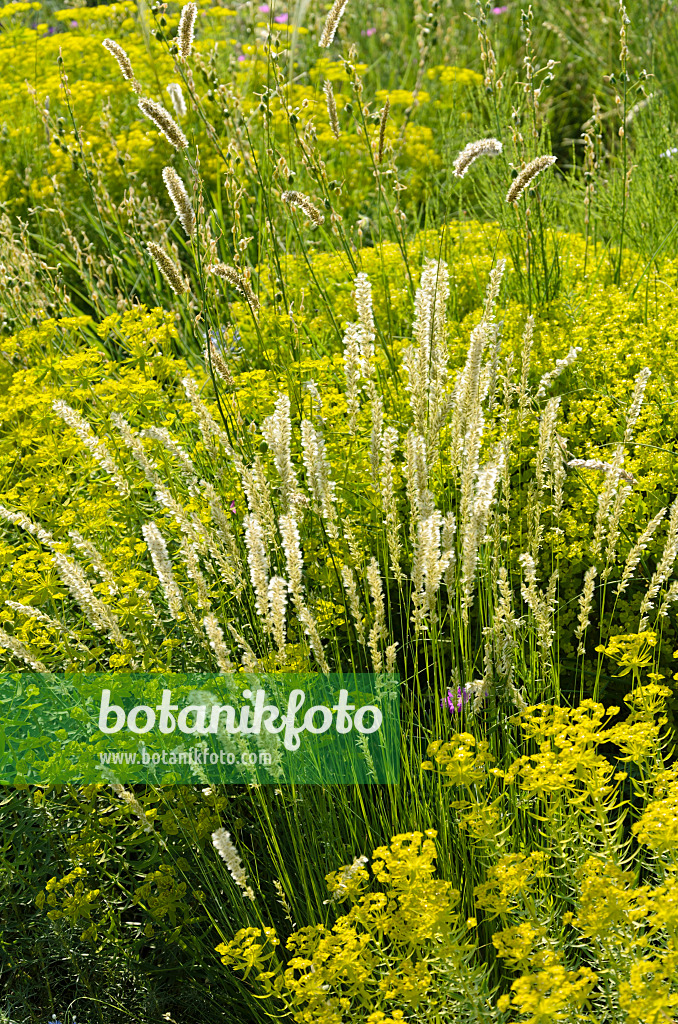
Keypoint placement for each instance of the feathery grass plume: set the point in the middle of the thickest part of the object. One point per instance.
(467, 389)
(605, 500)
(389, 443)
(19, 650)
(194, 572)
(664, 567)
(163, 567)
(257, 559)
(180, 198)
(221, 840)
(236, 279)
(332, 22)
(348, 580)
(215, 359)
(289, 532)
(636, 402)
(537, 602)
(378, 631)
(59, 627)
(561, 365)
(585, 602)
(167, 268)
(426, 359)
(432, 565)
(188, 471)
(96, 446)
(277, 604)
(332, 115)
(352, 365)
(34, 613)
(189, 12)
(128, 797)
(209, 428)
(341, 879)
(471, 152)
(124, 63)
(217, 643)
(382, 129)
(257, 492)
(22, 520)
(98, 613)
(90, 551)
(187, 522)
(636, 552)
(416, 469)
(277, 432)
(303, 203)
(164, 122)
(318, 475)
(601, 467)
(528, 173)
(476, 509)
(177, 97)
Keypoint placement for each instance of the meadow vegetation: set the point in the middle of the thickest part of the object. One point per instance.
(343, 339)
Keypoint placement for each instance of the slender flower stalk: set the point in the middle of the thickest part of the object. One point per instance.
(303, 203)
(168, 269)
(526, 176)
(332, 22)
(180, 198)
(471, 152)
(189, 12)
(332, 114)
(164, 122)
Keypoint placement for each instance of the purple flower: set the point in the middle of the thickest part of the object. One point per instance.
(72, 24)
(232, 508)
(241, 58)
(455, 703)
(499, 10)
(264, 8)
(281, 19)
(368, 32)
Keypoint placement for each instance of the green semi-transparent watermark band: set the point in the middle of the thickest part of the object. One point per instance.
(266, 728)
